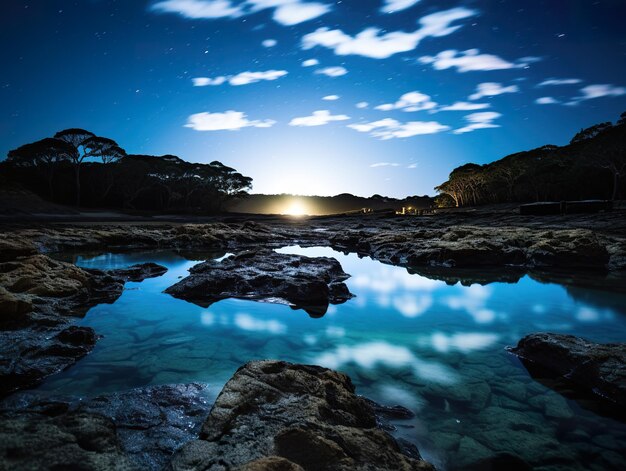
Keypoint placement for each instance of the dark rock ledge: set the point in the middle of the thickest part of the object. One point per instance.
(274, 415)
(308, 283)
(585, 365)
(270, 416)
(133, 430)
(39, 300)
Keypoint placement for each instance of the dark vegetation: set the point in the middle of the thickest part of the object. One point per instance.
(591, 166)
(77, 167)
(320, 205)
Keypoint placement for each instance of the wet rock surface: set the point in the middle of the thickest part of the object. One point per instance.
(39, 299)
(277, 415)
(589, 366)
(471, 247)
(302, 282)
(136, 429)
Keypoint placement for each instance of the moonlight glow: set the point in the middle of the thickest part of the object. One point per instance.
(296, 209)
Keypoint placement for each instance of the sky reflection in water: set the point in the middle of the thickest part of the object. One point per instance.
(404, 339)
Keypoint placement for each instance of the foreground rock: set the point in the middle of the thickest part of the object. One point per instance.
(39, 299)
(598, 368)
(136, 429)
(274, 415)
(302, 282)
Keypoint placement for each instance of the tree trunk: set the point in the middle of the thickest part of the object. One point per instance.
(615, 185)
(77, 174)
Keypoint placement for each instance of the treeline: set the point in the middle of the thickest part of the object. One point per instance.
(592, 166)
(77, 167)
(321, 205)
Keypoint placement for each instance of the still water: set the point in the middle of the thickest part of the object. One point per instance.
(404, 339)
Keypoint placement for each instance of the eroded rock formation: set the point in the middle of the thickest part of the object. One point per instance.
(264, 275)
(278, 415)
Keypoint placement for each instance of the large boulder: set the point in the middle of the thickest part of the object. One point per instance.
(588, 366)
(275, 415)
(302, 282)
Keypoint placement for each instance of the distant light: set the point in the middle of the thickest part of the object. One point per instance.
(295, 209)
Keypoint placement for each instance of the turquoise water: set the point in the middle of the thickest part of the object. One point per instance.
(404, 339)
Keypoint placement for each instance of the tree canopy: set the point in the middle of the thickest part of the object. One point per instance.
(103, 175)
(593, 165)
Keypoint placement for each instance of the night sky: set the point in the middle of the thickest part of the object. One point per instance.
(315, 97)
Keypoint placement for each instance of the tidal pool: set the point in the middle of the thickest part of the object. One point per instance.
(404, 339)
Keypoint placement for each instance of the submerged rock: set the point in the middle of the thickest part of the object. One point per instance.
(278, 415)
(591, 367)
(302, 282)
(39, 299)
(136, 429)
(140, 271)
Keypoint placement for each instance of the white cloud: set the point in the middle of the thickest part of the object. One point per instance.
(476, 121)
(292, 12)
(200, 9)
(546, 100)
(411, 101)
(362, 105)
(464, 106)
(205, 81)
(465, 342)
(286, 12)
(370, 355)
(226, 121)
(390, 128)
(318, 118)
(392, 6)
(269, 43)
(371, 42)
(554, 81)
(331, 97)
(411, 166)
(243, 78)
(249, 323)
(385, 164)
(591, 92)
(489, 89)
(310, 62)
(337, 71)
(472, 60)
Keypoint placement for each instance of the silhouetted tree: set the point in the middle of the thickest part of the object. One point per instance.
(76, 137)
(44, 156)
(591, 132)
(108, 152)
(574, 171)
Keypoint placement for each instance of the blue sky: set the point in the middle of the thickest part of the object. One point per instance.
(315, 97)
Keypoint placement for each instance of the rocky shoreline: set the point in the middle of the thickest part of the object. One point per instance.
(41, 297)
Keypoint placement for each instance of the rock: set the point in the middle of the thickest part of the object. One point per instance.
(70, 440)
(589, 366)
(307, 415)
(153, 422)
(478, 246)
(140, 428)
(140, 271)
(302, 282)
(385, 414)
(553, 405)
(472, 396)
(78, 336)
(39, 297)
